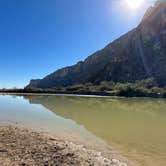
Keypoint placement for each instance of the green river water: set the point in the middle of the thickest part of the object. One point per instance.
(135, 127)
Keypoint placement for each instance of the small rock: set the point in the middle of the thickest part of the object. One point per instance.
(106, 160)
(123, 164)
(115, 161)
(98, 154)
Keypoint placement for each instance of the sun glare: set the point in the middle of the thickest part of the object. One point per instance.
(134, 4)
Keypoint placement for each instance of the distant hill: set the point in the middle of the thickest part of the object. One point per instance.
(139, 54)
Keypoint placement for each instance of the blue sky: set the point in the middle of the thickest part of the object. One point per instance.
(38, 37)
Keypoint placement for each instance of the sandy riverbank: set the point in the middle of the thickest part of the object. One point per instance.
(23, 147)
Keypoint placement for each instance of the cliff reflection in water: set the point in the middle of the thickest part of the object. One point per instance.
(134, 126)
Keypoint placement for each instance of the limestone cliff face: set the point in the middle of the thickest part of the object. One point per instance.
(137, 55)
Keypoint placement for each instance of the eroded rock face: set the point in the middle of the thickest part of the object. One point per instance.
(137, 55)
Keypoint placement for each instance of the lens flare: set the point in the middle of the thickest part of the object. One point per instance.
(134, 4)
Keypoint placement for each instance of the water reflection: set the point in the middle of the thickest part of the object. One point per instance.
(136, 126)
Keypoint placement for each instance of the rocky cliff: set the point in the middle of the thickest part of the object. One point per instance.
(137, 55)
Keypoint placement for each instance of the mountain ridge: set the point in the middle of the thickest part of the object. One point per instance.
(136, 55)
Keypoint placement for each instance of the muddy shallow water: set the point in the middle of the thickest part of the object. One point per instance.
(136, 127)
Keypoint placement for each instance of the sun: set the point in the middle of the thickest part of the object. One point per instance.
(134, 4)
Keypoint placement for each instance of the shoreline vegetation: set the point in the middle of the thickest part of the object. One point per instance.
(144, 88)
(21, 146)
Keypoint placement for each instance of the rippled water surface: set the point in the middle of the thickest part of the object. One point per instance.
(136, 127)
